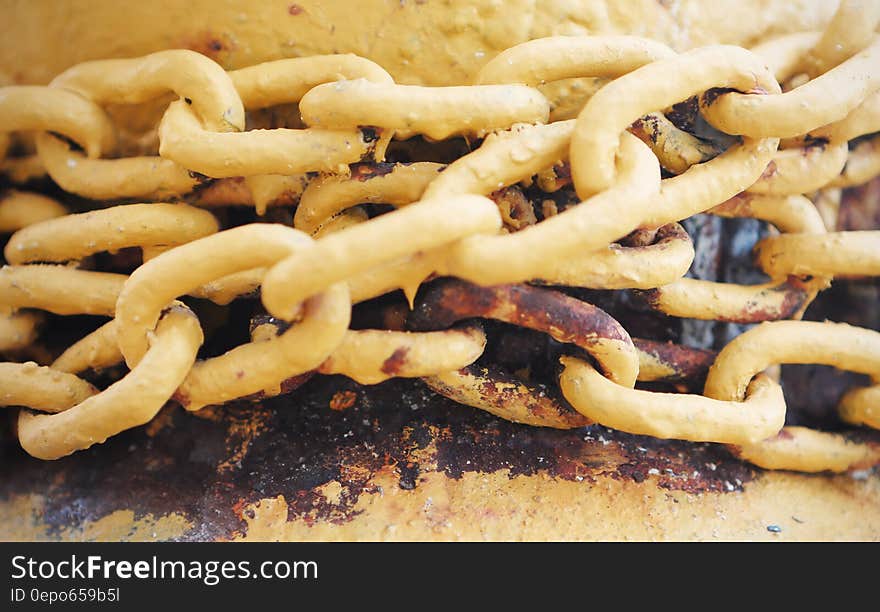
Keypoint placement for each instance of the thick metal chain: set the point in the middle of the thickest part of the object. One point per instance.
(797, 114)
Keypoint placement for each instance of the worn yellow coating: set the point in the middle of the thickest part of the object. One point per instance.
(279, 151)
(131, 401)
(19, 209)
(793, 214)
(823, 100)
(59, 289)
(30, 108)
(676, 149)
(589, 226)
(436, 112)
(73, 237)
(655, 86)
(541, 507)
(835, 253)
(709, 300)
(94, 351)
(288, 80)
(41, 388)
(861, 406)
(811, 451)
(246, 369)
(424, 225)
(18, 329)
(346, 218)
(801, 170)
(673, 415)
(368, 355)
(191, 75)
(510, 399)
(143, 177)
(850, 31)
(328, 195)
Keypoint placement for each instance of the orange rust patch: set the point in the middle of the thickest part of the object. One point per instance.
(162, 420)
(213, 414)
(396, 361)
(239, 508)
(244, 427)
(343, 400)
(769, 171)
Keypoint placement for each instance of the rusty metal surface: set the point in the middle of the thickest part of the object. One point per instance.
(209, 466)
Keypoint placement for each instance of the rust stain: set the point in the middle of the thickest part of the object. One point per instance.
(567, 319)
(243, 427)
(396, 361)
(343, 400)
(208, 43)
(713, 94)
(646, 129)
(327, 469)
(687, 363)
(295, 9)
(517, 211)
(683, 115)
(795, 293)
(222, 192)
(769, 171)
(366, 171)
(511, 397)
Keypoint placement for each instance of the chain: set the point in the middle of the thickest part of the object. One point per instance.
(790, 117)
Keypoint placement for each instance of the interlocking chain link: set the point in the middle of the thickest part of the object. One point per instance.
(792, 116)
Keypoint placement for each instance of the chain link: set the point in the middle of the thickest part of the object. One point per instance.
(792, 116)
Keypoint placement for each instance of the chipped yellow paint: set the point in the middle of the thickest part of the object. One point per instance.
(121, 526)
(332, 492)
(21, 520)
(492, 506)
